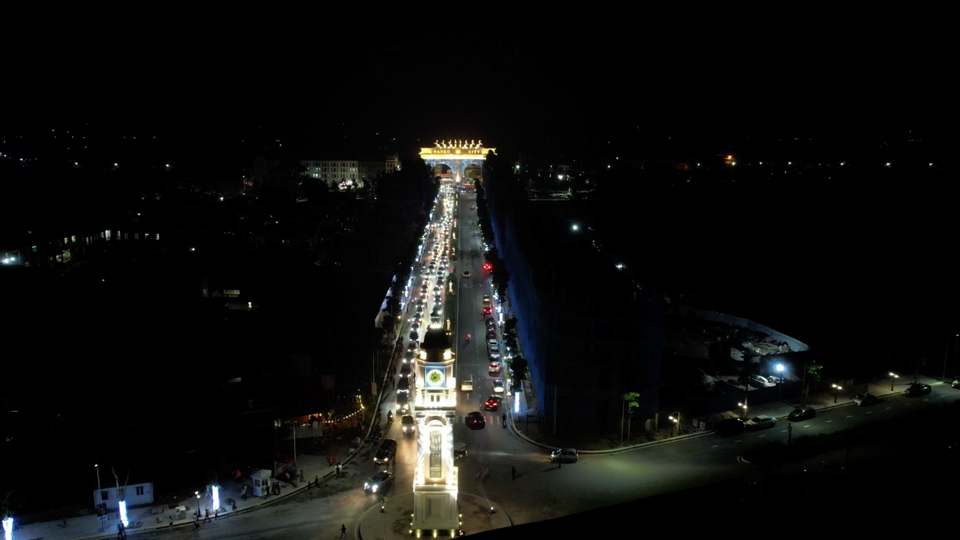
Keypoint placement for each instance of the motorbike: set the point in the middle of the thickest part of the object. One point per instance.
(390, 418)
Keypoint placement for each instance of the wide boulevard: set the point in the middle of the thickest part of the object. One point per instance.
(541, 490)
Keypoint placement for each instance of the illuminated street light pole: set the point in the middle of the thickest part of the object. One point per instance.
(945, 353)
(893, 377)
(836, 391)
(99, 492)
(198, 504)
(743, 406)
(676, 422)
(779, 382)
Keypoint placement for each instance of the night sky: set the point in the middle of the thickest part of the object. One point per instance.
(513, 85)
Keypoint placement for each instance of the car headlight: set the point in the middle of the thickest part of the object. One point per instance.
(386, 459)
(374, 488)
(366, 485)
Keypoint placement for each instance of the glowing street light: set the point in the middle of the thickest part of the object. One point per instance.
(197, 493)
(893, 377)
(836, 390)
(576, 227)
(676, 422)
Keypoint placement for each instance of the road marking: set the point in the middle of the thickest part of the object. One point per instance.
(869, 412)
(851, 416)
(807, 425)
(763, 436)
(714, 446)
(828, 421)
(888, 408)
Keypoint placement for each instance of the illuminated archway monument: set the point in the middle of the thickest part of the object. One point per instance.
(457, 155)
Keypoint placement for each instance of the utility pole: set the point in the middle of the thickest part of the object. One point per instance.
(554, 409)
(803, 385)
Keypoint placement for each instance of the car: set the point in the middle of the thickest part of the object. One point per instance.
(917, 389)
(493, 348)
(487, 310)
(475, 420)
(760, 379)
(403, 385)
(955, 383)
(730, 426)
(491, 333)
(802, 413)
(407, 358)
(408, 424)
(388, 449)
(568, 455)
(494, 368)
(403, 402)
(760, 422)
(498, 386)
(865, 399)
(751, 381)
(406, 370)
(466, 273)
(378, 482)
(493, 403)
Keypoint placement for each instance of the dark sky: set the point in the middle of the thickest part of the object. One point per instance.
(475, 81)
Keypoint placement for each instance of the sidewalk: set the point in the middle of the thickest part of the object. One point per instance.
(394, 521)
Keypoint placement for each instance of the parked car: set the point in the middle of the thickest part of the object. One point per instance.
(802, 413)
(491, 333)
(475, 420)
(494, 368)
(918, 389)
(388, 449)
(760, 422)
(378, 482)
(566, 455)
(408, 424)
(466, 273)
(865, 399)
(955, 383)
(730, 426)
(498, 386)
(493, 403)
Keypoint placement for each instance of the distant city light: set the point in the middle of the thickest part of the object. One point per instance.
(576, 227)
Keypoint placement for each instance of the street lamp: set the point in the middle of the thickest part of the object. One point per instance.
(893, 377)
(197, 493)
(836, 390)
(779, 382)
(676, 422)
(99, 492)
(945, 352)
(744, 407)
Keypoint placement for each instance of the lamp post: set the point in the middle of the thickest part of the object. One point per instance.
(836, 390)
(197, 493)
(893, 377)
(676, 422)
(743, 406)
(779, 382)
(945, 353)
(99, 493)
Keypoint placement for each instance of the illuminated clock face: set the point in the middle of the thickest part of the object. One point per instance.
(435, 377)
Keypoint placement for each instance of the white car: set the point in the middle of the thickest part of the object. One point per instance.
(760, 422)
(498, 386)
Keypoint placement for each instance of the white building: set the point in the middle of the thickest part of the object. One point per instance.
(135, 495)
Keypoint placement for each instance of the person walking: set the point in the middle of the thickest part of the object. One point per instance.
(343, 530)
(504, 418)
(243, 493)
(316, 480)
(513, 473)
